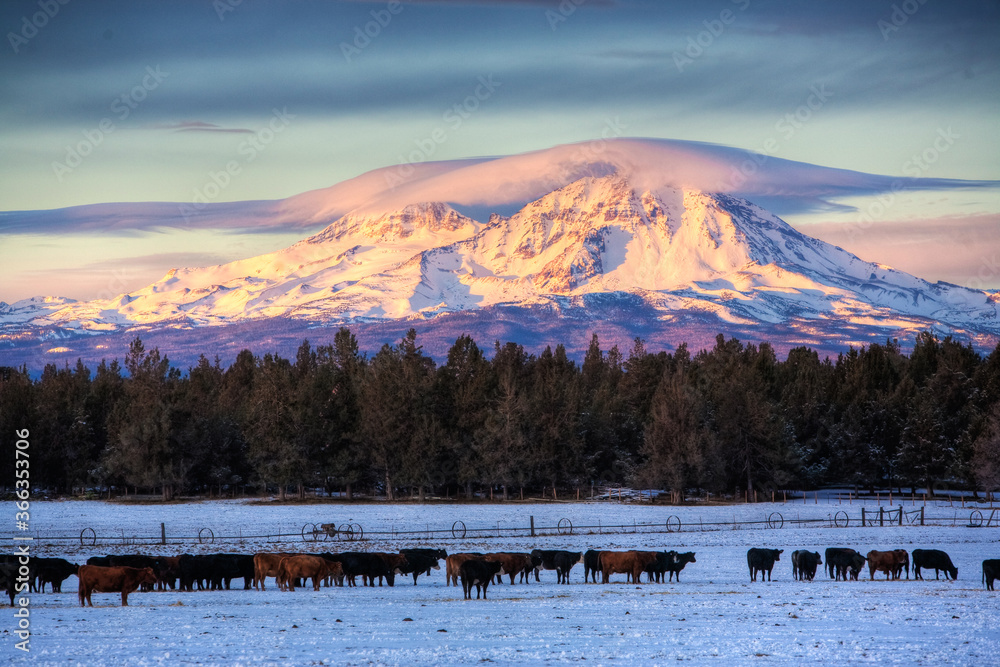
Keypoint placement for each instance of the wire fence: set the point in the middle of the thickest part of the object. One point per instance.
(355, 533)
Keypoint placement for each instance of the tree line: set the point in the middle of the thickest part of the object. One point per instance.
(722, 420)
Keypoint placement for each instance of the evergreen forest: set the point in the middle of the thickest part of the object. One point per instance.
(733, 419)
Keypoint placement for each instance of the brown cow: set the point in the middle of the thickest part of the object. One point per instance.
(112, 580)
(452, 564)
(513, 564)
(266, 565)
(306, 567)
(884, 561)
(169, 571)
(630, 563)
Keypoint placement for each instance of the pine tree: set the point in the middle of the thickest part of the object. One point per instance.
(467, 389)
(676, 445)
(142, 450)
(276, 450)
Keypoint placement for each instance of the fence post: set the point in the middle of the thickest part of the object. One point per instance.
(532, 526)
(921, 515)
(900, 515)
(881, 515)
(163, 534)
(863, 517)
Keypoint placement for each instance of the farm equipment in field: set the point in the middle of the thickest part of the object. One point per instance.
(314, 532)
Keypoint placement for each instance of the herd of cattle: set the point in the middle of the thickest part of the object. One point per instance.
(128, 573)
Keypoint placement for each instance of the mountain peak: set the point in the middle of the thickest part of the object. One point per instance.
(422, 218)
(596, 231)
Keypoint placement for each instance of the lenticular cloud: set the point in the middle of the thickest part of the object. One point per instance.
(650, 164)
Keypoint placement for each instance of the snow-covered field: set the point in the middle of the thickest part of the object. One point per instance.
(714, 615)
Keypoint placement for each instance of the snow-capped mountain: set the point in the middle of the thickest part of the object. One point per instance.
(611, 236)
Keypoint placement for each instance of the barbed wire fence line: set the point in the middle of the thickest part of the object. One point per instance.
(339, 535)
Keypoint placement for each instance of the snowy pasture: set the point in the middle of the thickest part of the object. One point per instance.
(715, 614)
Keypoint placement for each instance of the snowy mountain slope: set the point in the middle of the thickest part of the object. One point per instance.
(618, 228)
(715, 253)
(303, 276)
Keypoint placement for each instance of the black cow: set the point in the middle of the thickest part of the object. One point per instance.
(8, 579)
(660, 566)
(478, 573)
(436, 554)
(536, 565)
(53, 571)
(420, 561)
(15, 561)
(762, 560)
(804, 564)
(933, 559)
(368, 566)
(194, 570)
(679, 563)
(564, 562)
(841, 560)
(991, 572)
(131, 560)
(857, 564)
(101, 561)
(591, 564)
(560, 561)
(223, 568)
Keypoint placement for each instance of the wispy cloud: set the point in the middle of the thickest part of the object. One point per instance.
(200, 126)
(964, 250)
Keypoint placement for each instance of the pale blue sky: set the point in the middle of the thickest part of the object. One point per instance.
(161, 96)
